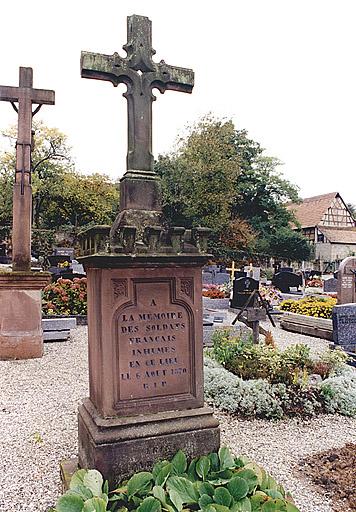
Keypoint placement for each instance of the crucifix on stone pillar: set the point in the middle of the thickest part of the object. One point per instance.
(141, 75)
(25, 96)
(139, 190)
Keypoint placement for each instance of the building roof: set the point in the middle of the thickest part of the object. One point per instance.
(310, 212)
(339, 235)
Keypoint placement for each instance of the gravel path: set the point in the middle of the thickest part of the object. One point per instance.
(38, 428)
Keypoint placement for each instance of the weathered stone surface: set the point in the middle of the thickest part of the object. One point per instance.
(59, 324)
(344, 326)
(119, 447)
(56, 335)
(330, 285)
(21, 335)
(346, 281)
(25, 95)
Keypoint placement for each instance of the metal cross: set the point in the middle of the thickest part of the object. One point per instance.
(25, 96)
(140, 74)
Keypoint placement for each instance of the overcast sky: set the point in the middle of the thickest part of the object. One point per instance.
(282, 69)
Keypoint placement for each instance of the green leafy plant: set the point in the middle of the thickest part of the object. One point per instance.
(217, 482)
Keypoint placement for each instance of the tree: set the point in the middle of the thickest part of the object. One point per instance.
(60, 194)
(218, 177)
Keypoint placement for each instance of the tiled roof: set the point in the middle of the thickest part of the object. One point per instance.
(310, 212)
(339, 235)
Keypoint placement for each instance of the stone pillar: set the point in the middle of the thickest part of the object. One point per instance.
(145, 364)
(21, 335)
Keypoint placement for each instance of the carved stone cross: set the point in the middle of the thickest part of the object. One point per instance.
(140, 74)
(25, 96)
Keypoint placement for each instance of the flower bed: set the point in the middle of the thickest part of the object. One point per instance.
(65, 297)
(262, 381)
(310, 306)
(216, 482)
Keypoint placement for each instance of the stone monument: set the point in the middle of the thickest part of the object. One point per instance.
(144, 297)
(346, 281)
(21, 334)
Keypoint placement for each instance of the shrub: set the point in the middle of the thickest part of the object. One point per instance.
(260, 398)
(216, 482)
(249, 361)
(339, 393)
(65, 297)
(310, 306)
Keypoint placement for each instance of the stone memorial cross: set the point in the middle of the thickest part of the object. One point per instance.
(140, 74)
(25, 96)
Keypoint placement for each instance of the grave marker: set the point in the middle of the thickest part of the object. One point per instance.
(344, 326)
(346, 281)
(21, 335)
(144, 298)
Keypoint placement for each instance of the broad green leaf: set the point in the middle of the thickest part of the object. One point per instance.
(243, 505)
(214, 461)
(257, 501)
(175, 498)
(222, 496)
(192, 473)
(274, 506)
(117, 497)
(82, 491)
(184, 487)
(220, 508)
(225, 458)
(163, 474)
(205, 500)
(94, 505)
(242, 461)
(205, 488)
(291, 508)
(249, 476)
(106, 487)
(150, 504)
(138, 483)
(94, 481)
(271, 483)
(70, 503)
(238, 488)
(202, 467)
(179, 463)
(77, 478)
(274, 494)
(159, 493)
(158, 466)
(257, 470)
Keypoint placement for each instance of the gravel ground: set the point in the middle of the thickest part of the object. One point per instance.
(38, 428)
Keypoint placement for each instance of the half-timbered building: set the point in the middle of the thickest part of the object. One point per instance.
(328, 224)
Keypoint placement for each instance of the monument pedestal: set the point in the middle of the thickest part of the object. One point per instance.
(21, 335)
(145, 363)
(119, 447)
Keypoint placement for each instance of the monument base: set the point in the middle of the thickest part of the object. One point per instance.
(119, 447)
(21, 335)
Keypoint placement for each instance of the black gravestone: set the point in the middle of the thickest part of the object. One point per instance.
(286, 280)
(242, 291)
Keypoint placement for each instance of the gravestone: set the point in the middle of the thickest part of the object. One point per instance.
(344, 326)
(346, 286)
(330, 285)
(207, 277)
(284, 281)
(144, 298)
(222, 278)
(254, 272)
(21, 335)
(242, 289)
